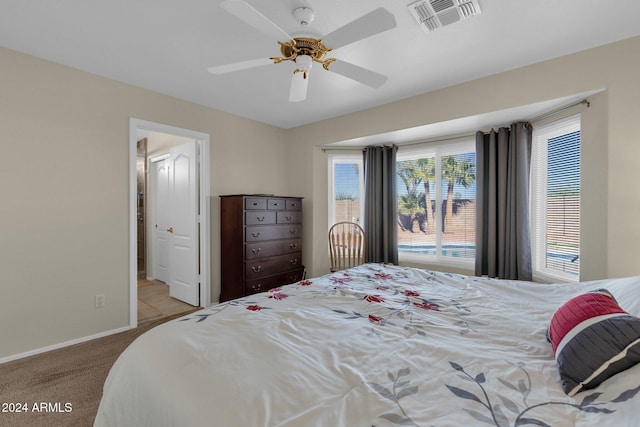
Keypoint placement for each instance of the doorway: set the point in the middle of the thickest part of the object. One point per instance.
(139, 129)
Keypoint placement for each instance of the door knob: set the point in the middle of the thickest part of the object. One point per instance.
(170, 229)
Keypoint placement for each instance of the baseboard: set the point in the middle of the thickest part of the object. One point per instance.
(61, 345)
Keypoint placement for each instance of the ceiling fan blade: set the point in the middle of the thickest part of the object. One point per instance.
(247, 13)
(299, 84)
(374, 22)
(359, 74)
(237, 66)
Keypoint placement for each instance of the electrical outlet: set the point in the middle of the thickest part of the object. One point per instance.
(100, 300)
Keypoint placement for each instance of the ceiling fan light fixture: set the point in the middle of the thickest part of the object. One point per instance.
(304, 62)
(299, 85)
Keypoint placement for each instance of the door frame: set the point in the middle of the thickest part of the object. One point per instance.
(203, 142)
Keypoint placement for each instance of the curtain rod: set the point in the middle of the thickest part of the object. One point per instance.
(560, 110)
(436, 139)
(467, 135)
(400, 144)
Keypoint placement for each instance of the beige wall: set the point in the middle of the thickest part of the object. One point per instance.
(64, 176)
(610, 148)
(64, 182)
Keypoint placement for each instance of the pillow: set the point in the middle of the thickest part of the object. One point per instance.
(592, 340)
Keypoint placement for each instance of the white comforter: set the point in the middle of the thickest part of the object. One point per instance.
(373, 346)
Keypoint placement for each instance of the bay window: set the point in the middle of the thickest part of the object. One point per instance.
(436, 187)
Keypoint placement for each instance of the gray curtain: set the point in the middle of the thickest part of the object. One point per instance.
(503, 241)
(380, 212)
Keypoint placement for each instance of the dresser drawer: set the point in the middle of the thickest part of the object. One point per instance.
(270, 282)
(258, 233)
(276, 204)
(259, 217)
(273, 265)
(289, 217)
(293, 204)
(266, 249)
(255, 203)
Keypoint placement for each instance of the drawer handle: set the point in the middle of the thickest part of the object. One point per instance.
(288, 218)
(256, 251)
(257, 287)
(293, 261)
(260, 218)
(293, 231)
(256, 269)
(255, 234)
(255, 203)
(293, 245)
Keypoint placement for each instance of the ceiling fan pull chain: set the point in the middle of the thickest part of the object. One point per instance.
(304, 72)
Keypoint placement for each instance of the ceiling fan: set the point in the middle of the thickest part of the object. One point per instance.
(305, 50)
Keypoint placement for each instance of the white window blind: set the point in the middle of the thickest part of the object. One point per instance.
(346, 188)
(555, 204)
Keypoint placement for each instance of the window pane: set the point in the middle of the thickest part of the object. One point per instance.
(459, 206)
(555, 195)
(563, 203)
(416, 205)
(346, 191)
(436, 202)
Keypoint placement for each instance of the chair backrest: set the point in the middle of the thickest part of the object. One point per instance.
(346, 245)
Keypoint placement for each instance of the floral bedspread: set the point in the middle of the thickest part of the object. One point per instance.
(375, 345)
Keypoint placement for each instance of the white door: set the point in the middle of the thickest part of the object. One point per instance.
(183, 223)
(160, 190)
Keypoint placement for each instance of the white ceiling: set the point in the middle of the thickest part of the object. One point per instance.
(167, 45)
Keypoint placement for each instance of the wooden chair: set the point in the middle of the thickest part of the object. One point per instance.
(346, 245)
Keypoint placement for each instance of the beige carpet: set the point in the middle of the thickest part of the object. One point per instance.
(68, 381)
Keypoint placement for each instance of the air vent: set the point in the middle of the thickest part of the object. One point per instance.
(434, 14)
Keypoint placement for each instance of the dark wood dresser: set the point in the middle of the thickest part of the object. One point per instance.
(261, 243)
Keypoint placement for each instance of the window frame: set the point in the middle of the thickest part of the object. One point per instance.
(542, 132)
(350, 158)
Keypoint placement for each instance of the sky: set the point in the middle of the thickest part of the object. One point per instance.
(346, 179)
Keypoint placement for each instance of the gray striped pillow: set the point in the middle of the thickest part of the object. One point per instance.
(593, 339)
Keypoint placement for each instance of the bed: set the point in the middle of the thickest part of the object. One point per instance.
(375, 345)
